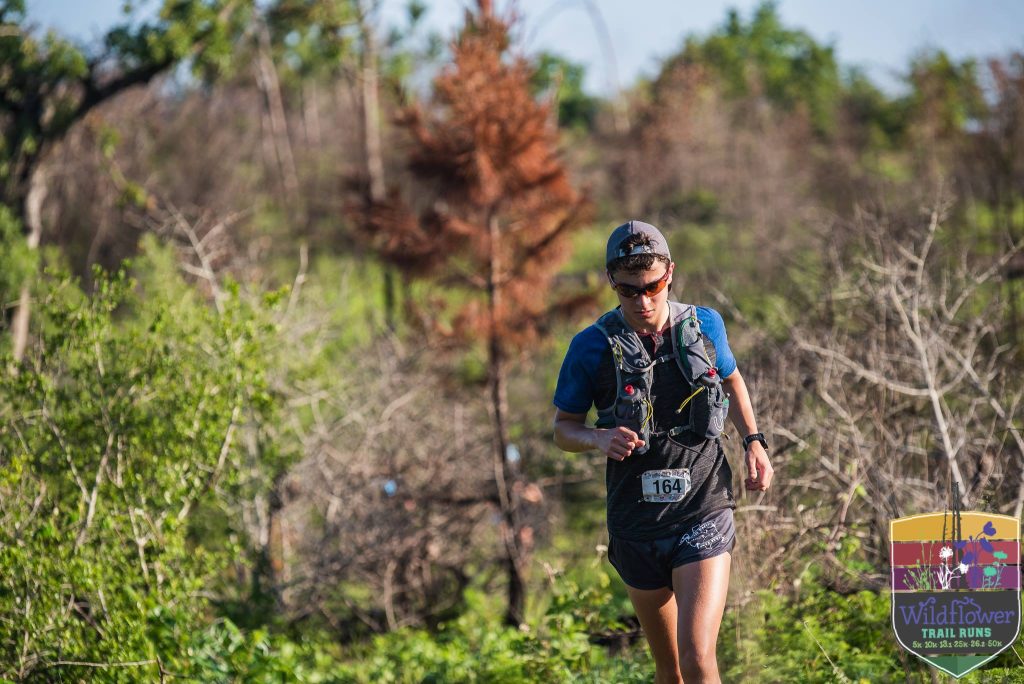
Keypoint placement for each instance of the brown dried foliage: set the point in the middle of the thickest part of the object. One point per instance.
(484, 150)
(394, 494)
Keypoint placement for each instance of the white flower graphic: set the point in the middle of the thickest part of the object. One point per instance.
(945, 573)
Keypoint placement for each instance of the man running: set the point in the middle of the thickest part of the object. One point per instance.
(662, 377)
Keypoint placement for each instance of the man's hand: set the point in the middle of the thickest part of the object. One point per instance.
(572, 434)
(759, 468)
(618, 443)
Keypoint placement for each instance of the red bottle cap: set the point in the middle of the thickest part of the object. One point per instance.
(711, 372)
(628, 389)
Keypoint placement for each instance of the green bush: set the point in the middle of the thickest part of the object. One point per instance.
(121, 419)
(477, 648)
(824, 636)
(17, 261)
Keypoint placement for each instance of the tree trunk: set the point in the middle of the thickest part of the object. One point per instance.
(504, 472)
(32, 213)
(267, 571)
(371, 114)
(311, 114)
(372, 146)
(271, 87)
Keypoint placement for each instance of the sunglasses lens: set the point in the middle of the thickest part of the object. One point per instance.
(655, 288)
(632, 291)
(627, 291)
(650, 289)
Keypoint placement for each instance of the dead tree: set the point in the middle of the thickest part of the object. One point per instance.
(485, 153)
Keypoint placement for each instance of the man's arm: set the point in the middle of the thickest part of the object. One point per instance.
(572, 434)
(759, 468)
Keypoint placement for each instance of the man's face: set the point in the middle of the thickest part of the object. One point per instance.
(643, 310)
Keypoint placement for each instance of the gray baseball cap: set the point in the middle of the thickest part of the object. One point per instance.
(659, 245)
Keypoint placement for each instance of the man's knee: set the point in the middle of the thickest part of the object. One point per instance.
(667, 676)
(697, 661)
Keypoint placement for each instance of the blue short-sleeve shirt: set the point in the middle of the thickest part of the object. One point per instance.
(577, 386)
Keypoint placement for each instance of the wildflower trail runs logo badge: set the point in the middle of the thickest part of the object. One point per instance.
(956, 587)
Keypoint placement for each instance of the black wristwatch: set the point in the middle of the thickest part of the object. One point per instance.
(756, 437)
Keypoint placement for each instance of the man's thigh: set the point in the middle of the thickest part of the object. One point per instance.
(701, 589)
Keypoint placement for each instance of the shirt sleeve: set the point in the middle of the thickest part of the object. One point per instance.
(574, 392)
(712, 325)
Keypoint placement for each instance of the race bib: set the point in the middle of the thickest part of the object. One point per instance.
(665, 486)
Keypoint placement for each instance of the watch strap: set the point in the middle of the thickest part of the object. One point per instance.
(756, 437)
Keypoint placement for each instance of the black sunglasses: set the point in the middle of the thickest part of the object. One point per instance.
(632, 291)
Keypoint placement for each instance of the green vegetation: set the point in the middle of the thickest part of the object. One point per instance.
(260, 448)
(123, 418)
(788, 66)
(562, 80)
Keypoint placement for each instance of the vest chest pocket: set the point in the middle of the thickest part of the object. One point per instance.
(689, 331)
(633, 408)
(707, 417)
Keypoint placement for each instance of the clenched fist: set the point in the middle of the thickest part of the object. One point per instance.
(618, 443)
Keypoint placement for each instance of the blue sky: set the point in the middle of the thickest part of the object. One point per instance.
(878, 35)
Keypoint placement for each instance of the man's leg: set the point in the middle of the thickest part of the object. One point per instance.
(656, 610)
(700, 592)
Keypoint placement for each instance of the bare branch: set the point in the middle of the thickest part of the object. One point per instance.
(80, 539)
(862, 372)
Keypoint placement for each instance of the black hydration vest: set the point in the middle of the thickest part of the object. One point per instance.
(634, 376)
(678, 407)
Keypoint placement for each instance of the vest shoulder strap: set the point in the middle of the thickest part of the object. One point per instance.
(688, 342)
(628, 351)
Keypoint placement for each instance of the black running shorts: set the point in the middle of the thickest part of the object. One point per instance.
(649, 564)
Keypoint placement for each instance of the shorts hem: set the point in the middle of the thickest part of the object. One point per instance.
(651, 588)
(641, 586)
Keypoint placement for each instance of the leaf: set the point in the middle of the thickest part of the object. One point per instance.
(989, 528)
(1000, 555)
(960, 544)
(968, 558)
(986, 544)
(990, 571)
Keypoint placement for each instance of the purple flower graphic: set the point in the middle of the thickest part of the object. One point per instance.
(990, 574)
